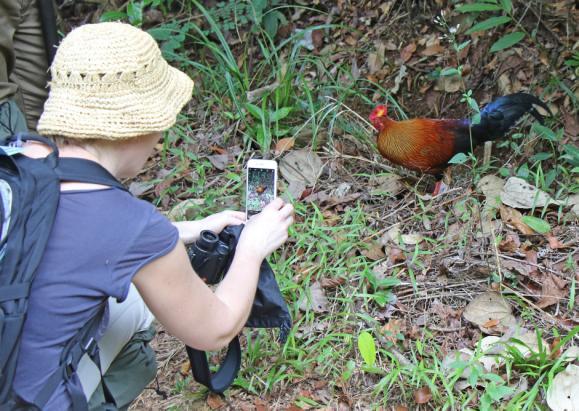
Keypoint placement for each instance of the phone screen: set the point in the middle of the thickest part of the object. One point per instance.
(260, 189)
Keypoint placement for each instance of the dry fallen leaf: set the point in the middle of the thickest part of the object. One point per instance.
(138, 188)
(422, 395)
(396, 255)
(553, 291)
(398, 79)
(331, 283)
(563, 394)
(407, 52)
(517, 193)
(316, 300)
(449, 84)
(519, 266)
(491, 186)
(571, 354)
(554, 242)
(219, 161)
(392, 329)
(214, 401)
(374, 252)
(284, 144)
(491, 323)
(185, 210)
(301, 166)
(510, 244)
(185, 368)
(573, 200)
(464, 355)
(515, 218)
(412, 239)
(432, 50)
(487, 307)
(530, 343)
(388, 183)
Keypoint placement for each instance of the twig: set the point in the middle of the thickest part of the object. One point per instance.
(446, 329)
(522, 297)
(531, 264)
(487, 153)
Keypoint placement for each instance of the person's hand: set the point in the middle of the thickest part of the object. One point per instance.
(267, 231)
(189, 231)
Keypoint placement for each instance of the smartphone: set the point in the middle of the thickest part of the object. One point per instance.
(261, 187)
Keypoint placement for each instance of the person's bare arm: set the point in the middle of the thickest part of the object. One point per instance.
(188, 308)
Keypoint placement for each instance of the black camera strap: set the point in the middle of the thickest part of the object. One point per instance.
(224, 376)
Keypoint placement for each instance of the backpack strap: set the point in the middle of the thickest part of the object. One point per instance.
(224, 376)
(85, 171)
(70, 168)
(83, 342)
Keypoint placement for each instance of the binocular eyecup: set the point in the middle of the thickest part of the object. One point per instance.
(209, 257)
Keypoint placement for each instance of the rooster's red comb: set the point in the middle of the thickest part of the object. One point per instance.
(378, 112)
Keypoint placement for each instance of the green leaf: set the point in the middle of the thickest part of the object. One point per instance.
(545, 132)
(113, 16)
(448, 72)
(507, 41)
(254, 110)
(488, 24)
(367, 348)
(458, 158)
(571, 154)
(271, 22)
(471, 8)
(349, 371)
(537, 224)
(135, 13)
(462, 45)
(541, 157)
(507, 5)
(497, 392)
(280, 114)
(164, 32)
(523, 171)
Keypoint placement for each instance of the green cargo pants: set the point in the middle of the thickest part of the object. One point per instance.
(23, 62)
(130, 372)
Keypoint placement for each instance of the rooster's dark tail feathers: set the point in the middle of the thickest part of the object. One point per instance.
(500, 115)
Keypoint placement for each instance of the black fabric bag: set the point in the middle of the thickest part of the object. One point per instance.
(269, 310)
(29, 195)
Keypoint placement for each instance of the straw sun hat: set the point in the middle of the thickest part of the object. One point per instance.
(109, 81)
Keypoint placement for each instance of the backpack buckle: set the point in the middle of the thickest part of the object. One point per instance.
(91, 347)
(69, 368)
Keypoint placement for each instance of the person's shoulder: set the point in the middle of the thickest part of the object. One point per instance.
(112, 203)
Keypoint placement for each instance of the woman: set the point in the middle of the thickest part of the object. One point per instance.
(111, 97)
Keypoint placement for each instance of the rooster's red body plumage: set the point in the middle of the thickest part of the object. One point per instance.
(426, 145)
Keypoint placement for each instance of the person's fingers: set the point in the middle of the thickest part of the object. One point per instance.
(234, 214)
(286, 210)
(276, 204)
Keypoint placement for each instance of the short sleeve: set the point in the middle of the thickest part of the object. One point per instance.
(157, 238)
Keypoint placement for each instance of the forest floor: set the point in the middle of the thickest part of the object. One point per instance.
(400, 300)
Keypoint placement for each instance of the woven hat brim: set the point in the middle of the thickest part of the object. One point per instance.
(77, 112)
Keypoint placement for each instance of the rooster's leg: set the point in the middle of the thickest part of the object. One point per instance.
(440, 186)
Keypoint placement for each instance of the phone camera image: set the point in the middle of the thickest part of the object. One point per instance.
(260, 189)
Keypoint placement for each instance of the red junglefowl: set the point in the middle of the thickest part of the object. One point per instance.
(426, 145)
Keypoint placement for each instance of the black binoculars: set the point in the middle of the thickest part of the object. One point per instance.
(211, 254)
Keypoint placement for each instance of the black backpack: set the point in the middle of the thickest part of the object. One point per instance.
(29, 195)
